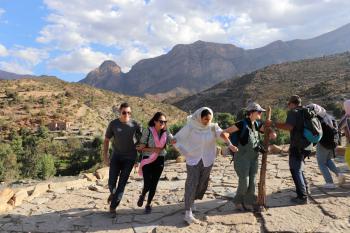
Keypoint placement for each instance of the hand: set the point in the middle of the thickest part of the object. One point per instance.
(233, 148)
(173, 141)
(268, 123)
(272, 135)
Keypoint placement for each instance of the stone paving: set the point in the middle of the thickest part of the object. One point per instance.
(80, 205)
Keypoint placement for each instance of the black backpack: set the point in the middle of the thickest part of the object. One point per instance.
(331, 138)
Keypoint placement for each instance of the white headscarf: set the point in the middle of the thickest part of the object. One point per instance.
(194, 120)
(320, 111)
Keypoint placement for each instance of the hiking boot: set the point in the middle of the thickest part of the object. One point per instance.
(329, 186)
(148, 209)
(341, 179)
(140, 201)
(299, 201)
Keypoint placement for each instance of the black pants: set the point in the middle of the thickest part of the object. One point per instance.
(151, 174)
(119, 167)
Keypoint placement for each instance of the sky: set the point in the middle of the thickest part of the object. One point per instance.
(70, 38)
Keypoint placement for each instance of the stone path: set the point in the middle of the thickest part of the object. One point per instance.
(80, 206)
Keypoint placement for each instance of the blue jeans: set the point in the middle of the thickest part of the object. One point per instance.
(119, 167)
(325, 163)
(296, 166)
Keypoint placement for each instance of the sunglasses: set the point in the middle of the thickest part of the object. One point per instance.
(124, 113)
(162, 122)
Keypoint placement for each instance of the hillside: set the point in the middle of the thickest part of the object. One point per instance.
(189, 68)
(323, 80)
(34, 102)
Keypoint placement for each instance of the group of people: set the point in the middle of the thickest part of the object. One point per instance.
(197, 142)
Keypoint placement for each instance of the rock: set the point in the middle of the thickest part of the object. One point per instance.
(218, 151)
(38, 190)
(4, 207)
(79, 183)
(102, 173)
(274, 149)
(20, 196)
(181, 159)
(90, 177)
(95, 188)
(6, 195)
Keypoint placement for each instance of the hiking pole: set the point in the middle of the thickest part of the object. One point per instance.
(262, 180)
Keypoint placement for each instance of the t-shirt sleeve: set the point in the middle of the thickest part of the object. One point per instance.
(291, 118)
(144, 136)
(239, 125)
(109, 132)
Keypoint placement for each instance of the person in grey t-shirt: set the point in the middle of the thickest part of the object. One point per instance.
(126, 134)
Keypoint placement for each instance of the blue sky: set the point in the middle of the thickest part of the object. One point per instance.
(70, 38)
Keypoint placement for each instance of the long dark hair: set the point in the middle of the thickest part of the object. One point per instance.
(156, 117)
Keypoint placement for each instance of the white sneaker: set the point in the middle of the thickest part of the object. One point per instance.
(190, 219)
(329, 186)
(341, 179)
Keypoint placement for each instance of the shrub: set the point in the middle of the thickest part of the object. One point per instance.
(224, 120)
(46, 166)
(172, 153)
(8, 163)
(176, 128)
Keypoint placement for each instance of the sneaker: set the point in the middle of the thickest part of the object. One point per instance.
(148, 209)
(239, 207)
(190, 219)
(329, 186)
(341, 179)
(140, 201)
(299, 201)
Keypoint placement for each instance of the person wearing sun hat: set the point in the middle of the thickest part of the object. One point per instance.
(246, 159)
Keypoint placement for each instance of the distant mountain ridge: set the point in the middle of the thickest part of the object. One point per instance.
(4, 75)
(200, 65)
(324, 81)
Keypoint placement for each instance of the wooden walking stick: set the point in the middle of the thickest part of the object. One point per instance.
(262, 180)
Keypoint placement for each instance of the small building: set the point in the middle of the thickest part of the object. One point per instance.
(59, 125)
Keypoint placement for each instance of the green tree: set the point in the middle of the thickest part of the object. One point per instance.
(46, 166)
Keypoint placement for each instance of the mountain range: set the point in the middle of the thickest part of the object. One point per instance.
(324, 80)
(194, 67)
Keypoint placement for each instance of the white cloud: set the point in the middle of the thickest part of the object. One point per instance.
(3, 51)
(145, 30)
(15, 67)
(2, 11)
(32, 56)
(79, 60)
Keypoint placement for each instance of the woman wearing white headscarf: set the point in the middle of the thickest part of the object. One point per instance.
(197, 142)
(325, 148)
(344, 125)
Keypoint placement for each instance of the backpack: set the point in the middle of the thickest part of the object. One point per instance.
(312, 129)
(331, 137)
(236, 137)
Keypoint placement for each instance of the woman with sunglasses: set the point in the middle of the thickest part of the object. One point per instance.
(153, 143)
(246, 159)
(197, 142)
